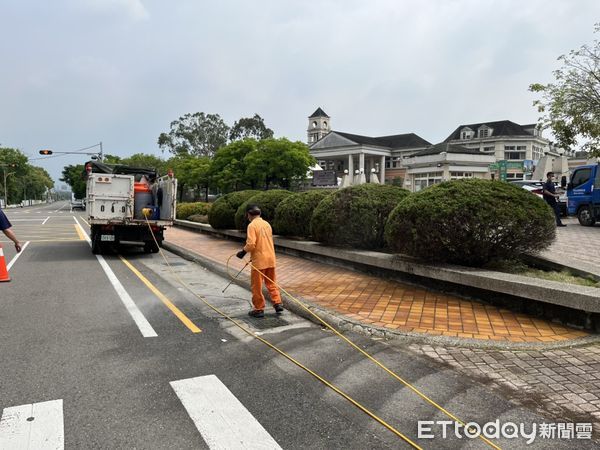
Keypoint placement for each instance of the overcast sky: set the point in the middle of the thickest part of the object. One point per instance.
(77, 72)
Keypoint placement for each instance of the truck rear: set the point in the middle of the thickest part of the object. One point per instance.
(127, 205)
(583, 192)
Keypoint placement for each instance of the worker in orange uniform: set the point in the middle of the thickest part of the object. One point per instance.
(259, 243)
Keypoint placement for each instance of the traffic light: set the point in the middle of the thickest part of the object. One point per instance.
(45, 152)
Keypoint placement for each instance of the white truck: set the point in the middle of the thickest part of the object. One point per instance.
(127, 205)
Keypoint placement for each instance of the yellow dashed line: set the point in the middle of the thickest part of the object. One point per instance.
(79, 232)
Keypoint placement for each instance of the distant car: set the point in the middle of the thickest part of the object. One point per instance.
(537, 188)
(77, 204)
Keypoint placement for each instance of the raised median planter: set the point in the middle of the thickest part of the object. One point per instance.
(572, 304)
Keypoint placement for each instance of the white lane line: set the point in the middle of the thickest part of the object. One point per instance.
(137, 316)
(12, 261)
(60, 208)
(26, 220)
(34, 426)
(44, 222)
(219, 416)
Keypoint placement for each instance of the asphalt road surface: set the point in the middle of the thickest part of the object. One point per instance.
(114, 352)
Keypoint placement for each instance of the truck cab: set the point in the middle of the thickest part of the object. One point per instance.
(583, 192)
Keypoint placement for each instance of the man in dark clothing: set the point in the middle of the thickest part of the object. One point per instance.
(5, 227)
(551, 197)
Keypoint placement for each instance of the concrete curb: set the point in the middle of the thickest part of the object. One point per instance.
(579, 298)
(348, 324)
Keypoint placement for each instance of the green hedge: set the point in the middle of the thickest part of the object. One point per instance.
(355, 216)
(267, 201)
(293, 214)
(185, 210)
(222, 214)
(470, 222)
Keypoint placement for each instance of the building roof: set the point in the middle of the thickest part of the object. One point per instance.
(408, 140)
(448, 148)
(499, 128)
(318, 113)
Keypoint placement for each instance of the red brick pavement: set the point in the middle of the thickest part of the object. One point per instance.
(385, 303)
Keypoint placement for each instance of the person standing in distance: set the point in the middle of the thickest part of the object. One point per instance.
(259, 243)
(5, 227)
(551, 197)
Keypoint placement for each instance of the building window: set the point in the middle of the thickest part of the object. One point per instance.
(514, 154)
(489, 149)
(514, 176)
(536, 152)
(423, 180)
(314, 124)
(483, 133)
(459, 175)
(324, 124)
(522, 147)
(394, 162)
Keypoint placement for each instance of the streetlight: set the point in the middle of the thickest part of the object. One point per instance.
(6, 175)
(98, 155)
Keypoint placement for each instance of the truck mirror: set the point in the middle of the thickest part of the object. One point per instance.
(569, 186)
(563, 181)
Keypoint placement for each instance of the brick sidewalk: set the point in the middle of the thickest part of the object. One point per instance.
(577, 243)
(380, 302)
(564, 384)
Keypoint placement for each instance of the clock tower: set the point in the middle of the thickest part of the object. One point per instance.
(319, 124)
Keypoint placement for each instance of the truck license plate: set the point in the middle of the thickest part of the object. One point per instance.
(107, 237)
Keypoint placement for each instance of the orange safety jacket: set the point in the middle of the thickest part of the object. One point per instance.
(259, 243)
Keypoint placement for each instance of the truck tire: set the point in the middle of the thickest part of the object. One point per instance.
(150, 247)
(95, 239)
(585, 217)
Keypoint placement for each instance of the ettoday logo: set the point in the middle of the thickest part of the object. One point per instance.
(429, 429)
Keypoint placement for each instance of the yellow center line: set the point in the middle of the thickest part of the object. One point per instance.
(48, 240)
(174, 309)
(79, 232)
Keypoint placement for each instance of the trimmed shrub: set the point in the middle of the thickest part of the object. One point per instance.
(222, 214)
(185, 210)
(198, 218)
(470, 222)
(355, 216)
(293, 214)
(267, 201)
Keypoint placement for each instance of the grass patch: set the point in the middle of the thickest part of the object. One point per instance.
(520, 268)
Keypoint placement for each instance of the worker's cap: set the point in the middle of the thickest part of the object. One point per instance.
(253, 210)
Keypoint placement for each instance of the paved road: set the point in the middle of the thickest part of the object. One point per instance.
(106, 363)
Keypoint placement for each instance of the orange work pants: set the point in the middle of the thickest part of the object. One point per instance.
(256, 280)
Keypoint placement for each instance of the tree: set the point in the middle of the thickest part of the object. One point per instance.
(250, 127)
(279, 161)
(228, 166)
(36, 183)
(195, 134)
(13, 162)
(571, 105)
(73, 176)
(191, 171)
(112, 159)
(146, 161)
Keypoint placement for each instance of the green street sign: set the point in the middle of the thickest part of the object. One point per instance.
(494, 166)
(514, 165)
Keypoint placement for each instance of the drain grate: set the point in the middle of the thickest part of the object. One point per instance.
(266, 323)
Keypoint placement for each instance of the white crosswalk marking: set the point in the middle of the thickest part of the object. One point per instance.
(37, 426)
(222, 420)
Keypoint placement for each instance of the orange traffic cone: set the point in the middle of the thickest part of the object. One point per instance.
(3, 270)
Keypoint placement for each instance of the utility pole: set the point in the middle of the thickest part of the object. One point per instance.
(6, 175)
